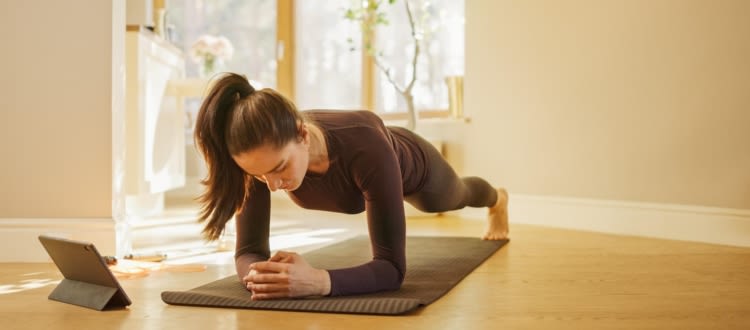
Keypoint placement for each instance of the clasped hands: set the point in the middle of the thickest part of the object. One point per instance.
(286, 275)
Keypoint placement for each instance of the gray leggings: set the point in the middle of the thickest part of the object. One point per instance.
(444, 190)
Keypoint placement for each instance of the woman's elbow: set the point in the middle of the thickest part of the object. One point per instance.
(401, 275)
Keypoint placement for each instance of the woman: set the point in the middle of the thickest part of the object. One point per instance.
(256, 142)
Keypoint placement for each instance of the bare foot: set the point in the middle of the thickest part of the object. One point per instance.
(497, 227)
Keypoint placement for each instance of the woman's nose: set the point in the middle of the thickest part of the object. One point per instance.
(273, 182)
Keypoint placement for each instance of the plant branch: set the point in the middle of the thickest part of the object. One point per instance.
(387, 72)
(369, 16)
(416, 50)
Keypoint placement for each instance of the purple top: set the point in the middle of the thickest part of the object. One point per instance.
(371, 168)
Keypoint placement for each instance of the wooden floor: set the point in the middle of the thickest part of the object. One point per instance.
(543, 279)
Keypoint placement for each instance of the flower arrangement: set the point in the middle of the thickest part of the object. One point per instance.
(210, 52)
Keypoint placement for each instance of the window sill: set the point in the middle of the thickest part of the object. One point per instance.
(400, 120)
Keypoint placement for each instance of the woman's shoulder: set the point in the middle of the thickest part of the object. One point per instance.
(333, 119)
(352, 133)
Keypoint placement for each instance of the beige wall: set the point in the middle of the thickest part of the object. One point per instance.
(635, 100)
(56, 107)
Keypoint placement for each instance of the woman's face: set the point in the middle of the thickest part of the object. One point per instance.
(280, 168)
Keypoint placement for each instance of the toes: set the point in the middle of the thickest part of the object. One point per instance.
(494, 237)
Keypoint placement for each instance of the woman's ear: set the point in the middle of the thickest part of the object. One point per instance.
(303, 133)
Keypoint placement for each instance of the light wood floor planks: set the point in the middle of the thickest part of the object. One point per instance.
(543, 279)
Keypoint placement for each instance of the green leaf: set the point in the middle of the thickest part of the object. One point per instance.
(372, 5)
(349, 14)
(381, 19)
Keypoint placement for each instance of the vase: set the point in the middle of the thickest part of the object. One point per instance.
(455, 95)
(210, 66)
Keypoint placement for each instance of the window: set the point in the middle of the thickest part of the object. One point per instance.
(324, 72)
(250, 25)
(440, 25)
(328, 74)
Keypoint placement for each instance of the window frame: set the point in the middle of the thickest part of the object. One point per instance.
(285, 74)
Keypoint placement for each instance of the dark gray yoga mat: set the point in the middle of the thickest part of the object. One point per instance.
(434, 266)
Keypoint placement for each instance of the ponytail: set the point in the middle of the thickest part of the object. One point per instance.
(233, 119)
(225, 182)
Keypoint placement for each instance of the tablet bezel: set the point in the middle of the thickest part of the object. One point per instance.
(81, 262)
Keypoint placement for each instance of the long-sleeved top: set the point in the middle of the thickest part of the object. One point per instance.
(372, 167)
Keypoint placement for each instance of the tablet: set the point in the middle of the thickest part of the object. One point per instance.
(87, 282)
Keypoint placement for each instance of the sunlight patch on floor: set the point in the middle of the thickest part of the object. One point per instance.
(295, 240)
(28, 284)
(177, 235)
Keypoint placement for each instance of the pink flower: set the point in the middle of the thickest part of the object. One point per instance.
(209, 47)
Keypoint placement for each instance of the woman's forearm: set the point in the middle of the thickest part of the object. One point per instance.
(374, 276)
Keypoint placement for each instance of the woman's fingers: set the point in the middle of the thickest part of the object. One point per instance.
(278, 255)
(269, 291)
(267, 282)
(285, 275)
(269, 288)
(269, 278)
(268, 296)
(265, 272)
(269, 266)
(249, 277)
(283, 256)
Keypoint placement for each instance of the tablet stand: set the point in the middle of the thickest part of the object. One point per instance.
(84, 294)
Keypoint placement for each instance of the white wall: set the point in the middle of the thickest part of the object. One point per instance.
(628, 100)
(62, 88)
(619, 116)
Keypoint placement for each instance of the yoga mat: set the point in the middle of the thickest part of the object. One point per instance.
(434, 266)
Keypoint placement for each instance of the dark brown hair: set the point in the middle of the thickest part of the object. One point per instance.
(235, 118)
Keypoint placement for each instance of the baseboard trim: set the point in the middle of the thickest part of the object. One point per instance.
(723, 226)
(20, 236)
